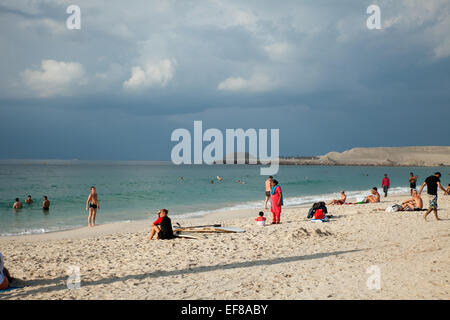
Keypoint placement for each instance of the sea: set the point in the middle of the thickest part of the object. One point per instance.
(136, 190)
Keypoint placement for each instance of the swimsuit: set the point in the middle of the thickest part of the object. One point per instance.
(93, 206)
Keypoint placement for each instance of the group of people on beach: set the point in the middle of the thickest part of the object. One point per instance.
(92, 205)
(415, 203)
(45, 204)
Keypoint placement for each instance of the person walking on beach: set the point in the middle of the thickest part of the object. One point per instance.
(17, 204)
(432, 183)
(162, 227)
(46, 204)
(92, 206)
(412, 182)
(385, 184)
(276, 201)
(268, 187)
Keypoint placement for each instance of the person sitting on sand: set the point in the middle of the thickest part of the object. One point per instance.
(5, 278)
(413, 204)
(28, 200)
(261, 220)
(448, 189)
(276, 201)
(92, 205)
(162, 227)
(340, 201)
(17, 204)
(374, 197)
(46, 203)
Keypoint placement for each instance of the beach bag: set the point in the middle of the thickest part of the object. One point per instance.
(319, 214)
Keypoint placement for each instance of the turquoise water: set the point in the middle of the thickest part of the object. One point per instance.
(133, 191)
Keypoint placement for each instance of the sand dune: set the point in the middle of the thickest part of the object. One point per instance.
(384, 156)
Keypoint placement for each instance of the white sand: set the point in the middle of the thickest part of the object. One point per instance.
(294, 260)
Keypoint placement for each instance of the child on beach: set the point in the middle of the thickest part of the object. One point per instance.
(261, 220)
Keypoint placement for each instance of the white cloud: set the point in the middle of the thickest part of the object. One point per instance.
(55, 78)
(257, 83)
(156, 74)
(277, 51)
(55, 27)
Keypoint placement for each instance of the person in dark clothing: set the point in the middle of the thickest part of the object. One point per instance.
(162, 227)
(412, 182)
(317, 206)
(432, 183)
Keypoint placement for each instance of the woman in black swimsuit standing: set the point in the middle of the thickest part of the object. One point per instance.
(92, 206)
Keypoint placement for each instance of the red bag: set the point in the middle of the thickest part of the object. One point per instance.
(319, 214)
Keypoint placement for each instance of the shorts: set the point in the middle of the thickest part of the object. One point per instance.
(165, 235)
(267, 193)
(93, 206)
(433, 201)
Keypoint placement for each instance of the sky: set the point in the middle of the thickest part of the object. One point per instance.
(135, 71)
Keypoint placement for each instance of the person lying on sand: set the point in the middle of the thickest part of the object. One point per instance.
(413, 204)
(374, 197)
(340, 201)
(17, 204)
(162, 227)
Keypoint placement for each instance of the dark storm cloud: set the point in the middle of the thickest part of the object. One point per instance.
(136, 71)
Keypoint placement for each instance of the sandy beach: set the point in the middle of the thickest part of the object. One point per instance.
(297, 259)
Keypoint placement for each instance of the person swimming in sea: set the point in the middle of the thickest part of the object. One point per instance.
(28, 200)
(46, 204)
(92, 205)
(17, 204)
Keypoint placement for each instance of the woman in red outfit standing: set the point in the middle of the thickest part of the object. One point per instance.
(276, 201)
